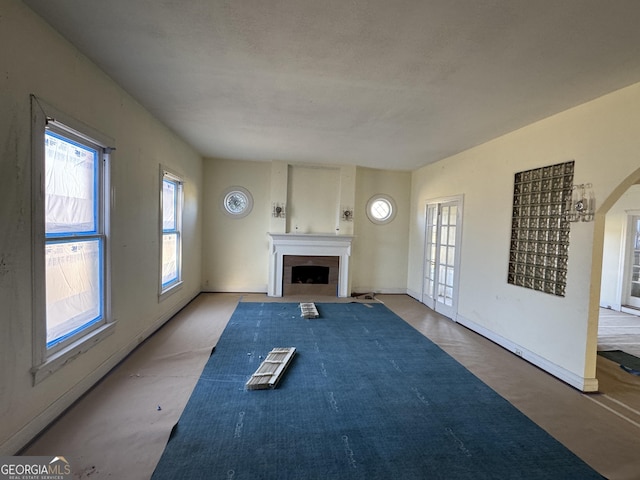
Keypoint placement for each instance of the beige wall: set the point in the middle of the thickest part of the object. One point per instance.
(557, 333)
(236, 250)
(313, 199)
(380, 251)
(613, 252)
(36, 60)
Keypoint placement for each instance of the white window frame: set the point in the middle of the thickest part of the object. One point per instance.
(228, 196)
(391, 204)
(166, 174)
(48, 360)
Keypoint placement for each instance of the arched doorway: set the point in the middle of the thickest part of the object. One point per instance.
(598, 255)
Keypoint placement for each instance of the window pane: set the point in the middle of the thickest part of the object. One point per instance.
(452, 236)
(442, 269)
(432, 270)
(70, 186)
(169, 258)
(453, 211)
(429, 287)
(381, 209)
(449, 280)
(444, 215)
(444, 231)
(451, 254)
(433, 215)
(448, 300)
(431, 252)
(73, 279)
(169, 202)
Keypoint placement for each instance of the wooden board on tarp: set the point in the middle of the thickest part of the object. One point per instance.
(309, 310)
(271, 369)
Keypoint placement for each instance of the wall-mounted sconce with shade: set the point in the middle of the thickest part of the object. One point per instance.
(581, 206)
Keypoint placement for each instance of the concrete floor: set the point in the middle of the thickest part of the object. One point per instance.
(119, 429)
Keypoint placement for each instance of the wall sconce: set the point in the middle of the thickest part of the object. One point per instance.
(347, 214)
(581, 206)
(279, 210)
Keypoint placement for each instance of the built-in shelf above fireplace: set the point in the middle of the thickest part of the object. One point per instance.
(311, 244)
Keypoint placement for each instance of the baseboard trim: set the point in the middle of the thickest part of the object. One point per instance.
(381, 291)
(40, 422)
(629, 310)
(263, 289)
(413, 294)
(227, 289)
(581, 383)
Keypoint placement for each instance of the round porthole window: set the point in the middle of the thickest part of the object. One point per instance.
(237, 202)
(381, 209)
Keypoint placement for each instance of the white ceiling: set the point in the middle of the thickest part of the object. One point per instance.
(392, 84)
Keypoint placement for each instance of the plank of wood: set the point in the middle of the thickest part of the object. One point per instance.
(309, 310)
(271, 369)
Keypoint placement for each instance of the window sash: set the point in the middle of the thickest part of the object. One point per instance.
(76, 329)
(170, 259)
(170, 190)
(82, 309)
(171, 194)
(70, 197)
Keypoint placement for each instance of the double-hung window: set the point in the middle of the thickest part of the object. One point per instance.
(71, 268)
(171, 231)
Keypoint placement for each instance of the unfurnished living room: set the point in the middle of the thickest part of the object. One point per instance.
(320, 240)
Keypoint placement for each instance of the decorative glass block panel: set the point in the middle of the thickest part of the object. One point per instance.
(538, 256)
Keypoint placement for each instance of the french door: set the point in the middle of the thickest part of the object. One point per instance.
(631, 295)
(441, 258)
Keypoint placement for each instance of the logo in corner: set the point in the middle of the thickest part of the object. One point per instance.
(34, 468)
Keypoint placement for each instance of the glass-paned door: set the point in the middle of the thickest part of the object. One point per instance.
(632, 289)
(442, 241)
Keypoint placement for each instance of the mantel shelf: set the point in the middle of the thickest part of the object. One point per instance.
(310, 236)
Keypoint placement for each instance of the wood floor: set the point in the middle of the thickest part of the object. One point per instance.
(619, 331)
(119, 429)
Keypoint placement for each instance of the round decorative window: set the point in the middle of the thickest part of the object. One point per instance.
(381, 209)
(237, 202)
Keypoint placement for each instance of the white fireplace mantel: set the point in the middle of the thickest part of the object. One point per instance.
(315, 244)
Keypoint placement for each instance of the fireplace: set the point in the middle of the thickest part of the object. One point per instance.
(308, 274)
(288, 250)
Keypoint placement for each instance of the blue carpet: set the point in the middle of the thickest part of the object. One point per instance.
(366, 397)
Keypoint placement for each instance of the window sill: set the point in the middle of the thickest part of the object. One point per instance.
(170, 291)
(59, 359)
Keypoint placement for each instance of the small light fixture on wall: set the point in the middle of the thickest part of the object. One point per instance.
(347, 214)
(581, 206)
(279, 210)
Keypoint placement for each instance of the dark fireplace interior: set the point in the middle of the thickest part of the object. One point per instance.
(310, 274)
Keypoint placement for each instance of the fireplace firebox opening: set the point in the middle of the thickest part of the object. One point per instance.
(310, 274)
